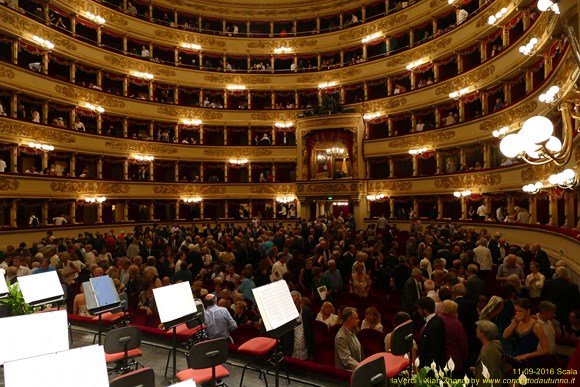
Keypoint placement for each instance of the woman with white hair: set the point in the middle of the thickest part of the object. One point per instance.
(455, 337)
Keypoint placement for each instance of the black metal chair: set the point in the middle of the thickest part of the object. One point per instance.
(205, 361)
(116, 318)
(372, 373)
(122, 346)
(144, 377)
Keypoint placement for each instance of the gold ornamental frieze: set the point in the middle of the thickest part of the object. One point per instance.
(6, 72)
(468, 181)
(274, 116)
(466, 80)
(94, 97)
(25, 25)
(398, 186)
(357, 33)
(244, 152)
(429, 49)
(275, 43)
(191, 113)
(509, 116)
(87, 187)
(272, 189)
(335, 121)
(136, 65)
(8, 184)
(327, 188)
(123, 146)
(29, 131)
(535, 173)
(187, 189)
(185, 37)
(237, 80)
(492, 10)
(422, 139)
(389, 103)
(332, 76)
(88, 6)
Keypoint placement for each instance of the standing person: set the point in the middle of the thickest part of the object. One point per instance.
(348, 350)
(33, 221)
(491, 354)
(59, 220)
(432, 344)
(299, 342)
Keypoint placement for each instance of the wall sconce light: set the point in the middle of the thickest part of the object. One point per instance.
(372, 37)
(144, 158)
(326, 85)
(411, 66)
(457, 94)
(95, 199)
(143, 75)
(335, 152)
(494, 18)
(533, 188)
(284, 124)
(462, 194)
(418, 151)
(193, 199)
(236, 87)
(565, 179)
(191, 46)
(550, 95)
(44, 147)
(238, 161)
(96, 18)
(286, 199)
(46, 44)
(544, 5)
(191, 122)
(376, 198)
(528, 49)
(340, 203)
(371, 116)
(94, 108)
(499, 133)
(321, 158)
(283, 50)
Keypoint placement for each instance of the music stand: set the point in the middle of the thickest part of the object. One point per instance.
(41, 289)
(3, 285)
(175, 305)
(102, 297)
(278, 313)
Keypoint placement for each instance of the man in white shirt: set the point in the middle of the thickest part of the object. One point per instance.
(59, 220)
(279, 269)
(461, 15)
(546, 318)
(449, 120)
(483, 257)
(482, 211)
(145, 52)
(293, 67)
(20, 270)
(523, 216)
(420, 126)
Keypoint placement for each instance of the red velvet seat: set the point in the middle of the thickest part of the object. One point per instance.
(320, 330)
(393, 364)
(203, 375)
(245, 333)
(259, 348)
(111, 357)
(205, 361)
(371, 340)
(324, 352)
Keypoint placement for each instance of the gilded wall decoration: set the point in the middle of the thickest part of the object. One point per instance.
(323, 188)
(140, 148)
(129, 64)
(186, 37)
(272, 189)
(509, 116)
(275, 43)
(177, 112)
(468, 181)
(89, 96)
(110, 16)
(387, 103)
(491, 10)
(329, 76)
(23, 24)
(335, 121)
(87, 187)
(6, 73)
(244, 152)
(368, 29)
(422, 139)
(187, 189)
(7, 184)
(390, 186)
(236, 79)
(275, 116)
(534, 173)
(38, 133)
(428, 49)
(467, 80)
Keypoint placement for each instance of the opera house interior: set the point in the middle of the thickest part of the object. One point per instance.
(381, 157)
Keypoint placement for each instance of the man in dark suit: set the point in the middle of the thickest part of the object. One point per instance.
(493, 246)
(563, 293)
(412, 291)
(467, 314)
(300, 347)
(474, 286)
(432, 344)
(149, 251)
(541, 257)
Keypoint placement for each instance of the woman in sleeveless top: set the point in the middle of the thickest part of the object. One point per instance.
(528, 335)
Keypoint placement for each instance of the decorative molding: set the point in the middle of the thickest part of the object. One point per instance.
(535, 173)
(8, 184)
(491, 10)
(273, 189)
(243, 152)
(467, 80)
(187, 189)
(338, 75)
(422, 139)
(509, 116)
(327, 187)
(468, 181)
(35, 132)
(95, 97)
(110, 16)
(390, 186)
(129, 64)
(428, 49)
(334, 121)
(86, 187)
(140, 148)
(236, 79)
(275, 116)
(275, 43)
(186, 37)
(385, 104)
(192, 113)
(357, 33)
(6, 72)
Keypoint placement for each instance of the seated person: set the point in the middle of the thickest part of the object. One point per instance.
(360, 282)
(326, 314)
(372, 320)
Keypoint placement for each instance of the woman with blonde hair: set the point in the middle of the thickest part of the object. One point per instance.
(372, 320)
(326, 314)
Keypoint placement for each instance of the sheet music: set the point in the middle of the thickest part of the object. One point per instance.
(174, 301)
(3, 284)
(275, 304)
(82, 366)
(33, 335)
(105, 291)
(41, 286)
(185, 383)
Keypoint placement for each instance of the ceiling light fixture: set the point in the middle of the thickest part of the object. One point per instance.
(500, 132)
(238, 161)
(459, 93)
(284, 124)
(95, 199)
(96, 18)
(286, 199)
(144, 158)
(191, 46)
(377, 197)
(94, 108)
(44, 147)
(550, 95)
(494, 18)
(236, 87)
(372, 37)
(283, 50)
(46, 44)
(143, 75)
(462, 194)
(193, 199)
(191, 122)
(371, 116)
(544, 5)
(418, 151)
(528, 49)
(565, 179)
(326, 85)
